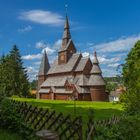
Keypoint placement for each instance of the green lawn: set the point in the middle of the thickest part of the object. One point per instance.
(102, 110)
(5, 135)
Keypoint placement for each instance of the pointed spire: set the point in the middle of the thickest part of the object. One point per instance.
(96, 68)
(66, 34)
(96, 78)
(44, 66)
(95, 60)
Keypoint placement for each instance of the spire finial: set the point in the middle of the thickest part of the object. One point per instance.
(95, 54)
(95, 61)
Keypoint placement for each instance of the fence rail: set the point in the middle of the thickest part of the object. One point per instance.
(65, 126)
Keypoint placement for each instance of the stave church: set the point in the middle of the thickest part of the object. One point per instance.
(71, 76)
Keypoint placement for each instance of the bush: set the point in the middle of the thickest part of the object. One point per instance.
(10, 119)
(127, 129)
(131, 102)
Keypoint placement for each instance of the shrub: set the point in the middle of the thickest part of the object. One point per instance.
(10, 119)
(131, 102)
(127, 129)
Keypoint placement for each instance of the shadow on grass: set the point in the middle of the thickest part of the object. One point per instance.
(73, 110)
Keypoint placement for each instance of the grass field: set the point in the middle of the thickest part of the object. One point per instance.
(102, 110)
(5, 135)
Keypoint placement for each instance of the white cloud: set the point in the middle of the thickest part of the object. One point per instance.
(41, 45)
(37, 63)
(119, 45)
(45, 47)
(32, 56)
(25, 29)
(109, 72)
(104, 60)
(42, 17)
(115, 65)
(57, 44)
(32, 72)
(48, 50)
(85, 54)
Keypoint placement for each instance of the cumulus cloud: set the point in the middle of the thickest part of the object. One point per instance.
(57, 44)
(109, 72)
(42, 17)
(85, 54)
(37, 63)
(45, 47)
(25, 29)
(41, 45)
(32, 56)
(115, 65)
(104, 60)
(48, 50)
(32, 72)
(119, 45)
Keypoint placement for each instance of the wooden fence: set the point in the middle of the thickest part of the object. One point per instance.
(92, 126)
(66, 127)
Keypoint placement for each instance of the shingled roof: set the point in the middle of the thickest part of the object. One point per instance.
(96, 78)
(67, 67)
(82, 64)
(81, 80)
(56, 81)
(44, 66)
(66, 34)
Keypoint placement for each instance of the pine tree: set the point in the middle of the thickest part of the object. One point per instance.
(13, 76)
(19, 74)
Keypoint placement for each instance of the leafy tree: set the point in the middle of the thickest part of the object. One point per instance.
(131, 77)
(111, 86)
(33, 85)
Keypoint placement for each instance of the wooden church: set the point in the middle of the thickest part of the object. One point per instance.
(71, 76)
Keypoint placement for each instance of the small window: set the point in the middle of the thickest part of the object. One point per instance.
(62, 57)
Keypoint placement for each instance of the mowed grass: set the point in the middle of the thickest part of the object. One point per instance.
(102, 110)
(6, 135)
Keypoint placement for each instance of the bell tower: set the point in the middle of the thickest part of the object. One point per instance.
(67, 46)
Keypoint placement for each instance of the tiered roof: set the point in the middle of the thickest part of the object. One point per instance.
(96, 78)
(74, 67)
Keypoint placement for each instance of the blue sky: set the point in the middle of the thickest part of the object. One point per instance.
(111, 27)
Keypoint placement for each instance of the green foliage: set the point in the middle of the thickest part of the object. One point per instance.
(13, 76)
(131, 77)
(127, 129)
(7, 135)
(11, 120)
(131, 69)
(110, 86)
(33, 85)
(131, 100)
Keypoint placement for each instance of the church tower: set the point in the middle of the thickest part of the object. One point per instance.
(44, 67)
(97, 83)
(67, 46)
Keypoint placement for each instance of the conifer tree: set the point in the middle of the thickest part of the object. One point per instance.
(13, 76)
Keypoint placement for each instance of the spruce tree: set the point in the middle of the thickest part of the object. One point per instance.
(13, 76)
(19, 74)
